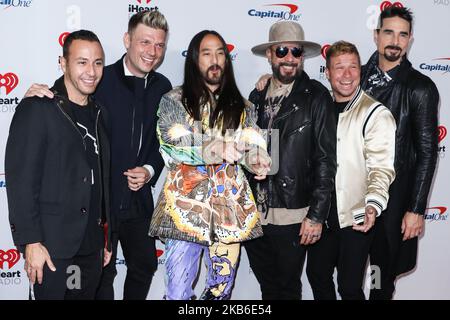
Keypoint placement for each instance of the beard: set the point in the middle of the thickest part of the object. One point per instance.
(213, 79)
(288, 78)
(393, 56)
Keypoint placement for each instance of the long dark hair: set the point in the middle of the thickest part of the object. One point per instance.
(195, 92)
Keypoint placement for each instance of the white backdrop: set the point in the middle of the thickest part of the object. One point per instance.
(29, 53)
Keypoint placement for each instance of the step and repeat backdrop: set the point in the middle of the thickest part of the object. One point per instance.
(33, 31)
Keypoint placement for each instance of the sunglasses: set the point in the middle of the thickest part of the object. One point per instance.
(282, 52)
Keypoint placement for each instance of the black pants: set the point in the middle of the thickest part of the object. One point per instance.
(344, 249)
(74, 279)
(380, 256)
(140, 256)
(277, 261)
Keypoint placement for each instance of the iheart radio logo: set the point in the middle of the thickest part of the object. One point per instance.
(62, 38)
(159, 253)
(324, 50)
(386, 4)
(147, 1)
(9, 81)
(230, 47)
(11, 257)
(292, 7)
(442, 133)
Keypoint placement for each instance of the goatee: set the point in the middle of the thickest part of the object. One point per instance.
(394, 56)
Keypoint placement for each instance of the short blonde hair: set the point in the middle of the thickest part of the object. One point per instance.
(341, 47)
(153, 19)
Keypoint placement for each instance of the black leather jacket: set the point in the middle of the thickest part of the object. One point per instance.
(307, 148)
(413, 100)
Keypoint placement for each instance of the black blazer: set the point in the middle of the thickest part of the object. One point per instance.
(132, 110)
(48, 175)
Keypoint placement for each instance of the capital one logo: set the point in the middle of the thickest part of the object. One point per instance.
(62, 38)
(230, 48)
(431, 67)
(9, 81)
(2, 180)
(16, 3)
(292, 7)
(9, 258)
(442, 133)
(287, 14)
(375, 10)
(435, 67)
(436, 214)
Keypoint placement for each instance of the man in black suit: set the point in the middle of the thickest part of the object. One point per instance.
(131, 90)
(57, 172)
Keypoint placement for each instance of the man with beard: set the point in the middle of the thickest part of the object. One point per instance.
(413, 100)
(299, 116)
(207, 135)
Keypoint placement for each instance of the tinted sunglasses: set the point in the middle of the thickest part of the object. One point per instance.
(282, 52)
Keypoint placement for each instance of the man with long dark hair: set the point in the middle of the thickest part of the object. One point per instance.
(207, 135)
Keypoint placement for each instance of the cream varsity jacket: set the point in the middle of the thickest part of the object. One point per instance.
(365, 158)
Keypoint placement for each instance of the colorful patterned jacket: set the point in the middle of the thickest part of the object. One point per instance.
(204, 199)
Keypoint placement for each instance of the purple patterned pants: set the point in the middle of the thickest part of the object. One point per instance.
(182, 266)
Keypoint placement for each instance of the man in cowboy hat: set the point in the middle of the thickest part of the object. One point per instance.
(294, 201)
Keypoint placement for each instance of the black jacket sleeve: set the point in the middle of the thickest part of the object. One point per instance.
(324, 157)
(24, 162)
(155, 159)
(424, 105)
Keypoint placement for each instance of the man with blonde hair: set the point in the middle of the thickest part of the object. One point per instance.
(365, 155)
